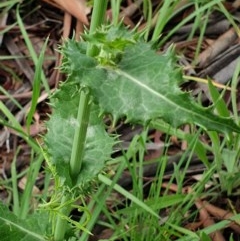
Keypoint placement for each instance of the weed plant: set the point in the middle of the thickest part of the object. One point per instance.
(115, 71)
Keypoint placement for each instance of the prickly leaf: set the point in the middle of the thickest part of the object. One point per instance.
(34, 228)
(142, 86)
(61, 129)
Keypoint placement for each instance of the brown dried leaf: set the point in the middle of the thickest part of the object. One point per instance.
(208, 221)
(222, 214)
(22, 185)
(77, 8)
(218, 46)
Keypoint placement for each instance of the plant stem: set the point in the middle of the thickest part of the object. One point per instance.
(98, 15)
(60, 229)
(27, 194)
(84, 107)
(80, 135)
(99, 9)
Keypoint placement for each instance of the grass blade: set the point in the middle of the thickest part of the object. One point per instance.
(36, 86)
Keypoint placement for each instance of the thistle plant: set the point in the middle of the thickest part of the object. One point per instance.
(112, 71)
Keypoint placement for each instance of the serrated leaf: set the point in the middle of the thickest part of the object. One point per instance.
(143, 86)
(61, 129)
(34, 228)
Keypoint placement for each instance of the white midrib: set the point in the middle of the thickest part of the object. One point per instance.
(136, 81)
(27, 231)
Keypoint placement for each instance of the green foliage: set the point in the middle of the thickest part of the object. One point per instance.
(61, 129)
(110, 42)
(124, 77)
(142, 86)
(205, 237)
(225, 151)
(34, 228)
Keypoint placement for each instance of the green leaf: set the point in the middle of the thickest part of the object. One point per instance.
(36, 85)
(134, 82)
(218, 101)
(205, 237)
(59, 139)
(143, 86)
(162, 202)
(230, 160)
(12, 228)
(110, 41)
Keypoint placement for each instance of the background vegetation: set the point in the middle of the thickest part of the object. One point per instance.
(128, 131)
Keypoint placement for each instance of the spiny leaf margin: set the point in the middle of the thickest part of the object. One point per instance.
(142, 86)
(59, 138)
(34, 228)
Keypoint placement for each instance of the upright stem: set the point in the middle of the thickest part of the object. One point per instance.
(84, 107)
(98, 15)
(80, 135)
(60, 228)
(99, 9)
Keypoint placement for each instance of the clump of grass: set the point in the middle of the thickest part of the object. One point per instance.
(159, 212)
